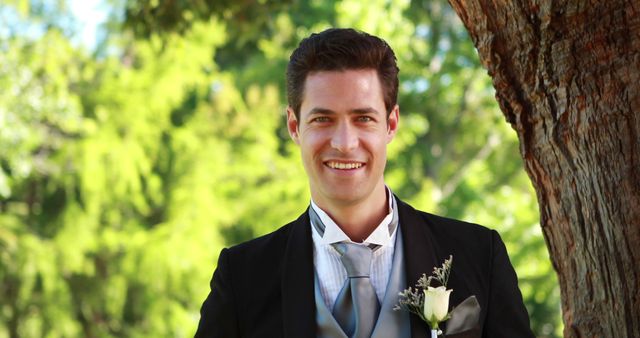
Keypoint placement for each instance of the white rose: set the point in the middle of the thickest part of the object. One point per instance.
(436, 304)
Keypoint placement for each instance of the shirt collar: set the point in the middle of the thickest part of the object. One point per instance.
(379, 236)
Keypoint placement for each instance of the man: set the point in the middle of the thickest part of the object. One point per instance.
(336, 271)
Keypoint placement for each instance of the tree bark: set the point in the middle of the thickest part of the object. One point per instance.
(567, 78)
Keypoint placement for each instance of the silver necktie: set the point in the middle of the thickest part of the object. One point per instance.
(356, 308)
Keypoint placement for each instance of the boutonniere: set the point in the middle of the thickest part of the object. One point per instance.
(429, 303)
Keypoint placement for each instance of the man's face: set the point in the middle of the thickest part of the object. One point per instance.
(343, 132)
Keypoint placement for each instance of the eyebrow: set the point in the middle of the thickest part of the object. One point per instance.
(356, 111)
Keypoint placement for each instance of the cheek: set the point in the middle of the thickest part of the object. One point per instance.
(313, 141)
(309, 149)
(377, 145)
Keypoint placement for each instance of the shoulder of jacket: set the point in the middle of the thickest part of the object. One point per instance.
(446, 225)
(274, 240)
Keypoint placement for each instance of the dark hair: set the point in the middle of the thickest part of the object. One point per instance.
(338, 49)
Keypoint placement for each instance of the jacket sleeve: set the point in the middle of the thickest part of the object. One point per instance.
(506, 316)
(218, 315)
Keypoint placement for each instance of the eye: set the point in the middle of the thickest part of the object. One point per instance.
(320, 119)
(364, 118)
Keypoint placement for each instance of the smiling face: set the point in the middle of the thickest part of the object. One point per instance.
(343, 132)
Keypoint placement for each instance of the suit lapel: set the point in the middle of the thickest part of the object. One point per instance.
(419, 254)
(298, 309)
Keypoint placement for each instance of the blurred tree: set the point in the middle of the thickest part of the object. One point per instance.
(117, 175)
(566, 77)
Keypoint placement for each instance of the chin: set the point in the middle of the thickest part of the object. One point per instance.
(345, 197)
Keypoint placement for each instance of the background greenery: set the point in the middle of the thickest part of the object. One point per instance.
(125, 168)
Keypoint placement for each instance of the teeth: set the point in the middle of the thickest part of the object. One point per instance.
(340, 165)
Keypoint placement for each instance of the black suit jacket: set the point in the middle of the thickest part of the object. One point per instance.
(264, 287)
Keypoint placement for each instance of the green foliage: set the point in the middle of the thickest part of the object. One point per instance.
(123, 173)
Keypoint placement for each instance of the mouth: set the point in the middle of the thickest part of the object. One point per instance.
(344, 165)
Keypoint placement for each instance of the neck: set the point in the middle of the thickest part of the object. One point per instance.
(358, 219)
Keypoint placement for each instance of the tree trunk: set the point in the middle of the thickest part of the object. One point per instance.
(567, 78)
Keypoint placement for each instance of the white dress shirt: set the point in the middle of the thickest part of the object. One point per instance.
(329, 269)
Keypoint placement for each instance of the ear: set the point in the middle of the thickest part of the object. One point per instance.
(292, 125)
(392, 123)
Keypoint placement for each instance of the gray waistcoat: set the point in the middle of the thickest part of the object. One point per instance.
(390, 323)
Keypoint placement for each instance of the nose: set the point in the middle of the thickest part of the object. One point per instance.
(344, 138)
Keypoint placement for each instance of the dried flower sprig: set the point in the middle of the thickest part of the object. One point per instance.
(412, 299)
(441, 275)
